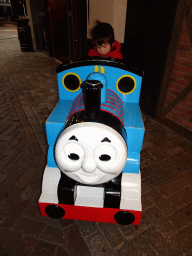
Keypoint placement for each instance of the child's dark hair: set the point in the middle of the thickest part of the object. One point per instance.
(101, 33)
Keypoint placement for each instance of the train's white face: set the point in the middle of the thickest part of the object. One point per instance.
(91, 153)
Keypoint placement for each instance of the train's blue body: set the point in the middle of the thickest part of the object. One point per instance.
(119, 97)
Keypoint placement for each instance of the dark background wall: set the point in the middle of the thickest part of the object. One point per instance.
(148, 31)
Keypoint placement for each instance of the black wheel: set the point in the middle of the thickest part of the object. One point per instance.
(54, 211)
(124, 218)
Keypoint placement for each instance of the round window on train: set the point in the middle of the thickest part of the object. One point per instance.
(71, 82)
(126, 84)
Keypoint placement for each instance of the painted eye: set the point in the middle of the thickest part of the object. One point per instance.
(104, 157)
(73, 156)
(105, 153)
(73, 151)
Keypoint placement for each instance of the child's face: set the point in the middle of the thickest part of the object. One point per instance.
(104, 48)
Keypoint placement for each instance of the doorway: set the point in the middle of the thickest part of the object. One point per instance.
(67, 27)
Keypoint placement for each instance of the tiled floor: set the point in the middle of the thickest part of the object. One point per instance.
(28, 94)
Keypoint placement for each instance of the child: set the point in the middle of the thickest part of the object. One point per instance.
(104, 41)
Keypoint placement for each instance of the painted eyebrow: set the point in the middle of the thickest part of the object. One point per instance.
(73, 138)
(105, 140)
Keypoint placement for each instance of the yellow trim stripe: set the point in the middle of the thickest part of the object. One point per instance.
(96, 69)
(102, 70)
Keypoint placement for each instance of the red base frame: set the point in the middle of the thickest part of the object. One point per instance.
(90, 213)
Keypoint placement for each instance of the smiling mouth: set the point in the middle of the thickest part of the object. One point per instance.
(89, 179)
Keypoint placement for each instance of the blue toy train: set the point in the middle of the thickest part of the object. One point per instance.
(95, 135)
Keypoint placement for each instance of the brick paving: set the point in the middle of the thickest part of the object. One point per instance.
(28, 94)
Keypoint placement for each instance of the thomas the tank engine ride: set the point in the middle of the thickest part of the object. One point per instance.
(95, 135)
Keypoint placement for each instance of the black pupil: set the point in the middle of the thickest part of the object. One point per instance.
(71, 82)
(126, 84)
(104, 157)
(73, 156)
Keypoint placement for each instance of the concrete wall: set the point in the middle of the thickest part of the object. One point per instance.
(110, 11)
(181, 78)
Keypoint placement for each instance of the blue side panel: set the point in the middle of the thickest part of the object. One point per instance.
(133, 163)
(54, 125)
(134, 126)
(50, 158)
(60, 112)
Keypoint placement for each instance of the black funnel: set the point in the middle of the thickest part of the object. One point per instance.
(92, 97)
